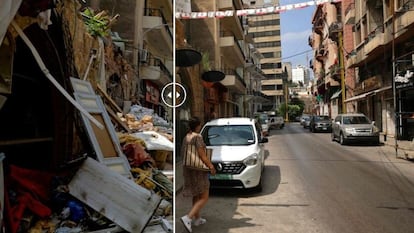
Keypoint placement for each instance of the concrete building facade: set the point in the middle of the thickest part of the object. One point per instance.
(374, 40)
(265, 32)
(144, 35)
(325, 41)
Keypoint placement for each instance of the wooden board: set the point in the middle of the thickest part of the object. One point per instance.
(108, 99)
(119, 199)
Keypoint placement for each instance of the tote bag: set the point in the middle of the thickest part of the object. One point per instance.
(192, 160)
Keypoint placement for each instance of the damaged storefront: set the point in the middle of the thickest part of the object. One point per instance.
(71, 158)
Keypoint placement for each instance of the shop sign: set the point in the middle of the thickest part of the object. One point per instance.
(404, 81)
(152, 94)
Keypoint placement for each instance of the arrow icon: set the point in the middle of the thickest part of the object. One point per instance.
(177, 95)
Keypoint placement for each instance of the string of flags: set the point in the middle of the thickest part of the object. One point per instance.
(250, 12)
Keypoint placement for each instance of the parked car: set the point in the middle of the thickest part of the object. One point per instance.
(354, 127)
(276, 122)
(303, 118)
(319, 123)
(306, 121)
(238, 152)
(263, 120)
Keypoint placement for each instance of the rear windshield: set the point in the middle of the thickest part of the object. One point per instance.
(236, 135)
(322, 118)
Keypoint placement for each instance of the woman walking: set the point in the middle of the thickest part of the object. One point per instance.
(196, 182)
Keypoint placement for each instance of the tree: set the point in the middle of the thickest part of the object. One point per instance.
(294, 108)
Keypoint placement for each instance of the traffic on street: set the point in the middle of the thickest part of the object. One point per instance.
(313, 184)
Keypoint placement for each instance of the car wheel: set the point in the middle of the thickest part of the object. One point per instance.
(342, 139)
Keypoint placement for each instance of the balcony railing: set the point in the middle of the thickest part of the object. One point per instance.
(233, 72)
(158, 12)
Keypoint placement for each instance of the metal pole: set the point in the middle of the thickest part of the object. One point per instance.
(286, 103)
(393, 85)
(342, 70)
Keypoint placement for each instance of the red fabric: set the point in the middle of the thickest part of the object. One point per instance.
(136, 154)
(33, 181)
(32, 187)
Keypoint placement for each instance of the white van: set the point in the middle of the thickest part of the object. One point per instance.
(238, 152)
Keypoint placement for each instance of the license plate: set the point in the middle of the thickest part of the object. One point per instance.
(221, 177)
(324, 128)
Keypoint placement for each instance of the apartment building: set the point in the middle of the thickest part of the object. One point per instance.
(265, 32)
(374, 39)
(300, 75)
(383, 58)
(325, 41)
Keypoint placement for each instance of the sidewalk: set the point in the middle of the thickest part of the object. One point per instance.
(405, 149)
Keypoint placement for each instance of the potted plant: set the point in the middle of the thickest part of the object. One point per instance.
(208, 74)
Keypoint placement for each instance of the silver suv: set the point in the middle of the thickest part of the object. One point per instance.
(355, 127)
(238, 152)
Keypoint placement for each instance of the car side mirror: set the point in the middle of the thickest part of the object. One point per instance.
(264, 140)
(372, 122)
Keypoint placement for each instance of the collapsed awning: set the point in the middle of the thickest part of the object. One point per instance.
(357, 97)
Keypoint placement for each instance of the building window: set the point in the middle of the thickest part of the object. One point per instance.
(269, 87)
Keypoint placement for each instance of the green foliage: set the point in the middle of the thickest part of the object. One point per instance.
(96, 24)
(294, 108)
(205, 61)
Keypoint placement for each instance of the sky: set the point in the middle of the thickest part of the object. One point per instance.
(296, 27)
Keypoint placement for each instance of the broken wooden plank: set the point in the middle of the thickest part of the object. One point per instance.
(111, 102)
(117, 120)
(119, 199)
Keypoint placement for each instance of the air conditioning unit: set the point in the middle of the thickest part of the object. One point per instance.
(143, 56)
(336, 27)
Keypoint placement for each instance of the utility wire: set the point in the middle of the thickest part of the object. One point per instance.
(284, 58)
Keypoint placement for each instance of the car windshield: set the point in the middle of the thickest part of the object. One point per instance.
(236, 135)
(348, 120)
(322, 118)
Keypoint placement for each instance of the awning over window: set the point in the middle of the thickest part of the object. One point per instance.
(357, 97)
(257, 99)
(336, 94)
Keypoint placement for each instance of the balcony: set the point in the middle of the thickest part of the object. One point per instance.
(272, 87)
(320, 53)
(255, 71)
(350, 14)
(155, 71)
(157, 33)
(232, 23)
(318, 29)
(369, 84)
(234, 82)
(310, 41)
(375, 40)
(231, 51)
(334, 29)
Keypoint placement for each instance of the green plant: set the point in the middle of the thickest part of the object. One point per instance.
(205, 61)
(96, 24)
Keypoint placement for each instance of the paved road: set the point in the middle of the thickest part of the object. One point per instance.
(314, 185)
